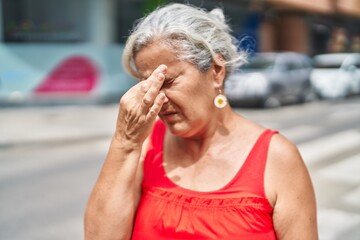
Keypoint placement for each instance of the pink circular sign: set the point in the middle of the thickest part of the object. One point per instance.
(76, 74)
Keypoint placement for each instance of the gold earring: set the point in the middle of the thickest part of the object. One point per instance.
(220, 100)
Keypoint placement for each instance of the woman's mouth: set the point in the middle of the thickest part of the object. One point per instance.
(168, 116)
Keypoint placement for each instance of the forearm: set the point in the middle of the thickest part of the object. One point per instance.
(112, 204)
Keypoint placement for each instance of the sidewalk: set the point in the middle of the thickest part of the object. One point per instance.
(56, 124)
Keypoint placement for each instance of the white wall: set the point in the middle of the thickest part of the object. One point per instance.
(102, 21)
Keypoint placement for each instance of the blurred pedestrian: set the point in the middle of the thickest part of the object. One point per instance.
(355, 44)
(199, 171)
(338, 41)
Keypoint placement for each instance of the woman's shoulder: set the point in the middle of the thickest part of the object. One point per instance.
(247, 128)
(289, 189)
(284, 151)
(285, 163)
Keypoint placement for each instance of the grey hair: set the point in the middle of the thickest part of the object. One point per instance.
(195, 34)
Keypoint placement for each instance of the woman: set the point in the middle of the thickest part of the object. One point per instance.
(201, 171)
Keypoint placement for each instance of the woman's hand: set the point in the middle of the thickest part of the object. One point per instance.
(119, 180)
(139, 107)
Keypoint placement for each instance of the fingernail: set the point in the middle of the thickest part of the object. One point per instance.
(162, 67)
(163, 96)
(161, 76)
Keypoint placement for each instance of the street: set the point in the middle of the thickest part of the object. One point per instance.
(44, 184)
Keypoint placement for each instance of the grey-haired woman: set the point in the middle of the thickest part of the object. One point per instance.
(198, 170)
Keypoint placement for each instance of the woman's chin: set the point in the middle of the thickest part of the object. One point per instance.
(177, 128)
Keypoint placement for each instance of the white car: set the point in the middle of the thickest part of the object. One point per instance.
(270, 80)
(336, 75)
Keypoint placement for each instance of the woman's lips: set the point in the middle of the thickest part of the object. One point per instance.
(168, 115)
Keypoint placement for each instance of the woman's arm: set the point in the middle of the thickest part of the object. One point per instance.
(112, 204)
(294, 214)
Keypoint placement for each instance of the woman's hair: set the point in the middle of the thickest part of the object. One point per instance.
(195, 34)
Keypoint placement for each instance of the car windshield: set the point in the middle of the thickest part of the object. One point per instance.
(260, 63)
(329, 61)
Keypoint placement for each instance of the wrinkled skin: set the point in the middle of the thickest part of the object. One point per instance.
(140, 106)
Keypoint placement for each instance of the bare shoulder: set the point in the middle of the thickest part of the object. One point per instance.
(285, 166)
(289, 189)
(284, 153)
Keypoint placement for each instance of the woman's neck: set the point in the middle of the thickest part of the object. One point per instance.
(215, 133)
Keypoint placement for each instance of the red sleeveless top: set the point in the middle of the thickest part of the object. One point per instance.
(239, 210)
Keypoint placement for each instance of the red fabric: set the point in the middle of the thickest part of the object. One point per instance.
(239, 210)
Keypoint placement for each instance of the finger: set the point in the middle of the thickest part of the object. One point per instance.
(160, 69)
(156, 75)
(156, 81)
(156, 107)
(144, 85)
(153, 91)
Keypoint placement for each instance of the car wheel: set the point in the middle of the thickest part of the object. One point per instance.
(308, 95)
(272, 102)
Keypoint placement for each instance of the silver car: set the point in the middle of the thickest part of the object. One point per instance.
(271, 80)
(336, 75)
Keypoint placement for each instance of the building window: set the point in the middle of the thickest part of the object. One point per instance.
(44, 20)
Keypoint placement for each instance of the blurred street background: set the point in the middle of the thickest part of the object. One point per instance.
(61, 79)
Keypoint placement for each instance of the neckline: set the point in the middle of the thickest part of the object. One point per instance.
(223, 188)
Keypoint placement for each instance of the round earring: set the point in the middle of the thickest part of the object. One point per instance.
(220, 100)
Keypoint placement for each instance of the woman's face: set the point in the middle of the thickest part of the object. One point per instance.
(189, 92)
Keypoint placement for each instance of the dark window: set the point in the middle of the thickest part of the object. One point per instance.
(44, 20)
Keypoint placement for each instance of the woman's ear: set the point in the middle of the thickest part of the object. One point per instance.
(219, 70)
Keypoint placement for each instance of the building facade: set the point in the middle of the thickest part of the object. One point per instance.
(310, 27)
(73, 47)
(266, 25)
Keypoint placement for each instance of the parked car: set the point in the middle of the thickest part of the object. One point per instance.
(336, 75)
(271, 80)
